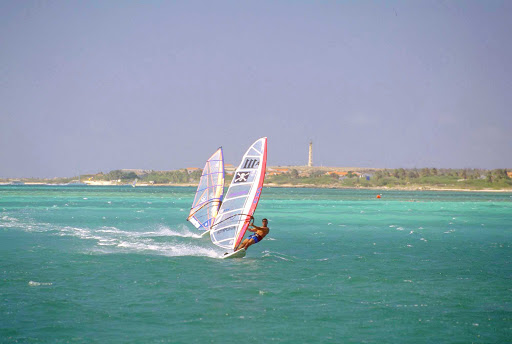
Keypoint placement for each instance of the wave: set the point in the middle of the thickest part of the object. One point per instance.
(169, 249)
(270, 254)
(183, 232)
(37, 284)
(160, 239)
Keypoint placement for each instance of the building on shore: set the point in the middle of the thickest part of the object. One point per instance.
(310, 160)
(192, 169)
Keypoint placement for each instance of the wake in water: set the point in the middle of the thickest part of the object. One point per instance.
(165, 241)
(279, 256)
(162, 240)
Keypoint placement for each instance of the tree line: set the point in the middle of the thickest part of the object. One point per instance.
(416, 177)
(158, 177)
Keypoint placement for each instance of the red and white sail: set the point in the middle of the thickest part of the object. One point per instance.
(241, 198)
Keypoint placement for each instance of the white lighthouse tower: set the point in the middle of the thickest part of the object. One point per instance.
(310, 162)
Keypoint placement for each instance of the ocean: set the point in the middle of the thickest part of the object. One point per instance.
(122, 265)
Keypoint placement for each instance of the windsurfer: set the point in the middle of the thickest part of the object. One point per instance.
(259, 234)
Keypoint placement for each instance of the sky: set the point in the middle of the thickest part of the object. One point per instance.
(93, 86)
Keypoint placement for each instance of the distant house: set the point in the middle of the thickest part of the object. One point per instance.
(338, 173)
(192, 169)
(343, 174)
(276, 171)
(229, 168)
(138, 172)
(366, 176)
(282, 170)
(509, 174)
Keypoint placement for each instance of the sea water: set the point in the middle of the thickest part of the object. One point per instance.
(122, 265)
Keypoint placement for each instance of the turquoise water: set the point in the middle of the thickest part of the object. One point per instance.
(121, 265)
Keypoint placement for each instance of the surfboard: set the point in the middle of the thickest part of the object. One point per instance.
(237, 254)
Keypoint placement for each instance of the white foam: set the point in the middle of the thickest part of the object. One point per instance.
(170, 249)
(184, 232)
(37, 284)
(278, 256)
(162, 240)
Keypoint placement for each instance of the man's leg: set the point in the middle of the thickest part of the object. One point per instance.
(248, 243)
(242, 245)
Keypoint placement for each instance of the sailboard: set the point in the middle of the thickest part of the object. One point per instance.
(241, 200)
(237, 254)
(209, 193)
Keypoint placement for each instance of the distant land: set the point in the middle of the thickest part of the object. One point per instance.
(303, 176)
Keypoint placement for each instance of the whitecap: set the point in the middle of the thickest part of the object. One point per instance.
(37, 284)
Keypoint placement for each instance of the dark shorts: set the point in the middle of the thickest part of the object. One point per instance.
(255, 237)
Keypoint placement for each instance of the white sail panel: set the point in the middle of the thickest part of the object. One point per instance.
(209, 192)
(241, 198)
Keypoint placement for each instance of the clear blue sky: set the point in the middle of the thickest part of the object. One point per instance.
(100, 85)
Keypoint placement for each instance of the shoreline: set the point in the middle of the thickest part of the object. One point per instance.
(299, 186)
(386, 188)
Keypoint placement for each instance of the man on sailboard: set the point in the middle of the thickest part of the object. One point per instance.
(259, 234)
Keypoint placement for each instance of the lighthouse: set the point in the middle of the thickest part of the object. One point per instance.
(310, 162)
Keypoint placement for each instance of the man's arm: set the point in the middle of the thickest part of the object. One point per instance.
(254, 228)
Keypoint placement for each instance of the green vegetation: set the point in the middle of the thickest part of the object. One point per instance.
(424, 178)
(154, 177)
(174, 177)
(473, 179)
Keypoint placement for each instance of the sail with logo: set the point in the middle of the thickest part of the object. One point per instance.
(209, 192)
(241, 198)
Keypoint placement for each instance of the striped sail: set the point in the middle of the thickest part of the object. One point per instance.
(241, 198)
(209, 192)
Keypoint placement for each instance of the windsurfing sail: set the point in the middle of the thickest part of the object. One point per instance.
(209, 192)
(134, 182)
(241, 198)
